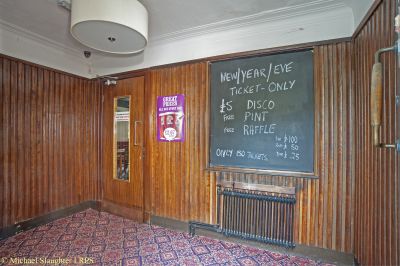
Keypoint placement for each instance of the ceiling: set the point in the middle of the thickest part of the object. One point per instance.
(168, 19)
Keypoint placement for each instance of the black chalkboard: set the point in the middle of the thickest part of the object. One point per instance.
(262, 113)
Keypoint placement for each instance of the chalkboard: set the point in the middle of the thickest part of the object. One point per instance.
(262, 113)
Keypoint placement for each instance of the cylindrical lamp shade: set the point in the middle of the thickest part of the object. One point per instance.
(112, 26)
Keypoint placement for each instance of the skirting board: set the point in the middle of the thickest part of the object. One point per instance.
(324, 255)
(126, 212)
(315, 253)
(129, 212)
(46, 218)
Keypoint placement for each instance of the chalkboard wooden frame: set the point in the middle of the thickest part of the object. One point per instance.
(249, 170)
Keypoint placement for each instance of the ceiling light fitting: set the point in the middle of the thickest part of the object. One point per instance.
(117, 26)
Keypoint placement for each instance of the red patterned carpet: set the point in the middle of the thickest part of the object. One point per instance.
(100, 238)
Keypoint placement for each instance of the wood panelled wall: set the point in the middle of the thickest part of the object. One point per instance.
(182, 189)
(377, 189)
(50, 148)
(179, 186)
(49, 140)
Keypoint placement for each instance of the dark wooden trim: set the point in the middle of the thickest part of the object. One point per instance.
(147, 185)
(127, 74)
(233, 169)
(47, 218)
(169, 223)
(264, 172)
(43, 67)
(275, 50)
(100, 143)
(258, 187)
(366, 18)
(129, 212)
(319, 254)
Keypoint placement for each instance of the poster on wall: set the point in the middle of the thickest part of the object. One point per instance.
(171, 118)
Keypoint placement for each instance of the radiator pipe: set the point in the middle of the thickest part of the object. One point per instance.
(218, 204)
(274, 218)
(241, 216)
(292, 221)
(235, 207)
(253, 219)
(226, 213)
(251, 215)
(282, 227)
(285, 225)
(258, 218)
(267, 219)
(222, 216)
(244, 216)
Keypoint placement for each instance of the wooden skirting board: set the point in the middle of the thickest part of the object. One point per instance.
(47, 218)
(315, 253)
(133, 213)
(129, 212)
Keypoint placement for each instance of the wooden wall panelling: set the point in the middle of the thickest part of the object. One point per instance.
(50, 131)
(324, 205)
(4, 140)
(181, 188)
(149, 123)
(377, 223)
(2, 146)
(49, 140)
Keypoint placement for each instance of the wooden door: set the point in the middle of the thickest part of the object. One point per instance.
(118, 193)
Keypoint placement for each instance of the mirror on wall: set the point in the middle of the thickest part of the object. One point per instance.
(121, 138)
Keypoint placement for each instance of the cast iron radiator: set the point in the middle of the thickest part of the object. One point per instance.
(252, 214)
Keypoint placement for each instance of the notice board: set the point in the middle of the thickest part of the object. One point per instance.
(262, 112)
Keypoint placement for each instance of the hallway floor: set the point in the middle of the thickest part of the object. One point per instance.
(99, 238)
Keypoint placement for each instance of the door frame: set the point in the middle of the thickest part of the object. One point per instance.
(132, 210)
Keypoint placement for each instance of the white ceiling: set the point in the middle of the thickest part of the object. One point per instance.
(46, 22)
(168, 16)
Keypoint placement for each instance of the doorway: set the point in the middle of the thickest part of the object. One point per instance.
(123, 146)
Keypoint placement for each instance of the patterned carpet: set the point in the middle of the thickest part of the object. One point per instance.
(99, 238)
